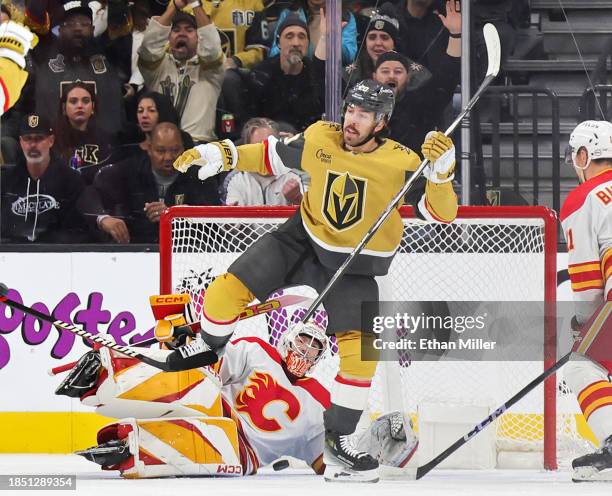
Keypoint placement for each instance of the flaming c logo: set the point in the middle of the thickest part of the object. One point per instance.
(258, 394)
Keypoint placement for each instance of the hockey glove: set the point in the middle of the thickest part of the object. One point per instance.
(440, 151)
(15, 41)
(212, 158)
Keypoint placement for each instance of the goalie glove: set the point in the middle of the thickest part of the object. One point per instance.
(440, 151)
(212, 158)
(390, 439)
(15, 42)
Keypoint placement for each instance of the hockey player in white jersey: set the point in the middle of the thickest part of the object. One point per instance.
(181, 424)
(586, 218)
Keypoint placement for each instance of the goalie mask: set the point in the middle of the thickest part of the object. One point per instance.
(595, 137)
(302, 347)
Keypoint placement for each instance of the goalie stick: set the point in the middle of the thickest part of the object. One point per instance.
(494, 54)
(174, 361)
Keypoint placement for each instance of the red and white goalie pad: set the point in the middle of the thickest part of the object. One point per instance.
(130, 388)
(163, 447)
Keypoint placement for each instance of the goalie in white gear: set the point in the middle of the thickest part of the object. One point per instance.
(180, 423)
(586, 218)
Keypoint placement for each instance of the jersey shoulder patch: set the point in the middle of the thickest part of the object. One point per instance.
(577, 197)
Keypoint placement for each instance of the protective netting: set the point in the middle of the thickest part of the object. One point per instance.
(471, 260)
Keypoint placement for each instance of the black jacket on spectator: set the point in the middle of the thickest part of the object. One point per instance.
(42, 210)
(52, 67)
(418, 111)
(86, 151)
(125, 187)
(423, 40)
(298, 100)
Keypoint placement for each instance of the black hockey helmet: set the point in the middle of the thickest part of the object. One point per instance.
(371, 96)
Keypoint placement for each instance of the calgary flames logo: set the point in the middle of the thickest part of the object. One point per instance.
(261, 391)
(343, 202)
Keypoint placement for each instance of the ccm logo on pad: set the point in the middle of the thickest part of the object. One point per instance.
(229, 469)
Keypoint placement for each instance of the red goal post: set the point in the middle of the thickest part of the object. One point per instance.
(529, 233)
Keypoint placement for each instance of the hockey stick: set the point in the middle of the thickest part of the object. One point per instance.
(425, 469)
(168, 361)
(494, 54)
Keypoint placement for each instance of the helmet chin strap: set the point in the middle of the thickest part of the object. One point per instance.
(580, 171)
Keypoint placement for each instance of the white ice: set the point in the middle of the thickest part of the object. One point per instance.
(93, 482)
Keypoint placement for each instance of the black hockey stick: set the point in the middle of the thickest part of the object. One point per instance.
(494, 56)
(168, 361)
(425, 469)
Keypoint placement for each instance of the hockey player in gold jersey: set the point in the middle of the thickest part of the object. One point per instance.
(15, 42)
(355, 172)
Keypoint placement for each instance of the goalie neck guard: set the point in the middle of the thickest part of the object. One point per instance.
(297, 347)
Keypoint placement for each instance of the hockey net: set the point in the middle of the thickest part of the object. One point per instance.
(487, 254)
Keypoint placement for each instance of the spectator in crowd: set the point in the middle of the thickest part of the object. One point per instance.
(245, 40)
(418, 106)
(309, 11)
(288, 87)
(79, 141)
(140, 189)
(40, 193)
(246, 188)
(152, 108)
(5, 14)
(74, 56)
(191, 72)
(427, 36)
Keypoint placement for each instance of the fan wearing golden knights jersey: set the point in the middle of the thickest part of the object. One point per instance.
(355, 172)
(586, 218)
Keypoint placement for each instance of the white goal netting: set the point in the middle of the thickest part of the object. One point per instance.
(488, 254)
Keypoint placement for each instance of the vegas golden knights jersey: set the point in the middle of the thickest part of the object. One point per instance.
(242, 28)
(349, 191)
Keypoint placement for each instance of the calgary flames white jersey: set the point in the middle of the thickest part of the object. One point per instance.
(275, 415)
(586, 218)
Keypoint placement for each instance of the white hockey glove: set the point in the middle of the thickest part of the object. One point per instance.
(212, 158)
(390, 439)
(15, 41)
(440, 151)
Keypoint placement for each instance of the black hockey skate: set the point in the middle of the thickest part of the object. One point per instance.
(107, 454)
(345, 463)
(594, 466)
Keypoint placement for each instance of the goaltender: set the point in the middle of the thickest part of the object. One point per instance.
(355, 172)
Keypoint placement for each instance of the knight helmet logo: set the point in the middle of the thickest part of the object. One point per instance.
(343, 200)
(33, 121)
(266, 402)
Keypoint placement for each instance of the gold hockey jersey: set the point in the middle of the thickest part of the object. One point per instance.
(242, 28)
(348, 192)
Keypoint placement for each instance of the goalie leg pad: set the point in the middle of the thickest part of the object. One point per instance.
(390, 439)
(163, 447)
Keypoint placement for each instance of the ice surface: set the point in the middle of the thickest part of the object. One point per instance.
(93, 482)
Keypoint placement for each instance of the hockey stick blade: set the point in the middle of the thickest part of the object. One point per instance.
(425, 469)
(493, 49)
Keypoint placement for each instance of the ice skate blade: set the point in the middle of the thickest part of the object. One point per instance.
(336, 473)
(591, 474)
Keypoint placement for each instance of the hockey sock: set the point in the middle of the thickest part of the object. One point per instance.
(593, 389)
(351, 386)
(224, 301)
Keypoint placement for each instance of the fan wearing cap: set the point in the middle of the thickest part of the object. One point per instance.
(420, 98)
(355, 172)
(586, 217)
(191, 72)
(74, 55)
(40, 193)
(288, 87)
